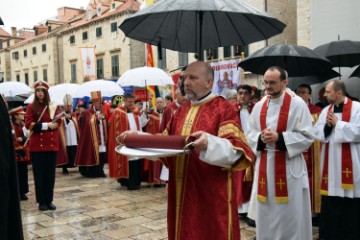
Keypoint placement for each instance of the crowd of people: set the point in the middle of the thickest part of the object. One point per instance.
(271, 157)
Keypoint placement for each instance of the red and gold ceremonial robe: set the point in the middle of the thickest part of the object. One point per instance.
(119, 122)
(312, 159)
(152, 169)
(201, 197)
(62, 156)
(87, 153)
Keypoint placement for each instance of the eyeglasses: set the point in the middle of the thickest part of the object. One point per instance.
(270, 83)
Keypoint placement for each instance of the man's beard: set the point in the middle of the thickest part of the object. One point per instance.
(275, 94)
(190, 95)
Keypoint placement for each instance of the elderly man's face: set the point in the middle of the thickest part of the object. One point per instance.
(159, 104)
(197, 82)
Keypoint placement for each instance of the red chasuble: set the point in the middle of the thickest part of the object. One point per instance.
(118, 164)
(201, 197)
(152, 169)
(62, 156)
(87, 153)
(168, 113)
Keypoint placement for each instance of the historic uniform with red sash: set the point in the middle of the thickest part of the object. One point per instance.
(281, 182)
(43, 144)
(201, 192)
(21, 152)
(340, 171)
(91, 150)
(119, 165)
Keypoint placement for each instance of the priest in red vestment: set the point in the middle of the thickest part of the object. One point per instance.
(202, 191)
(69, 136)
(312, 155)
(91, 151)
(126, 170)
(152, 169)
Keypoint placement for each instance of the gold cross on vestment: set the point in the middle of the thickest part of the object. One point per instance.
(325, 178)
(280, 183)
(262, 182)
(347, 172)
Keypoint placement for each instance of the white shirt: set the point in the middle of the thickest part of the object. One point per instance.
(70, 133)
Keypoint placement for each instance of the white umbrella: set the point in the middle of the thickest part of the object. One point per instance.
(107, 88)
(145, 76)
(58, 92)
(11, 89)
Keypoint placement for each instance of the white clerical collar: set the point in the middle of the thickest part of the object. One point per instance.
(278, 99)
(211, 95)
(177, 104)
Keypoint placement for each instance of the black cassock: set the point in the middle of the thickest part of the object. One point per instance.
(10, 214)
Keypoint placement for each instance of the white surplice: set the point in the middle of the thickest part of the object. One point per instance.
(292, 220)
(343, 132)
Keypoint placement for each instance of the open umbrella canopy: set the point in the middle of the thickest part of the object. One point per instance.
(11, 89)
(145, 76)
(58, 92)
(342, 53)
(195, 25)
(355, 73)
(294, 82)
(296, 60)
(107, 88)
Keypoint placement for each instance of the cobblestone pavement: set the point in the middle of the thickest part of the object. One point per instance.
(100, 209)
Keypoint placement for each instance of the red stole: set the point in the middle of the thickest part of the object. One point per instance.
(119, 122)
(347, 180)
(281, 192)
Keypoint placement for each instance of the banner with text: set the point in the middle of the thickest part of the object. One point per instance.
(88, 62)
(226, 76)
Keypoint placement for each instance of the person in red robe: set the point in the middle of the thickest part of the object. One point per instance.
(243, 108)
(127, 171)
(152, 169)
(171, 109)
(43, 144)
(69, 136)
(312, 155)
(202, 190)
(22, 159)
(91, 151)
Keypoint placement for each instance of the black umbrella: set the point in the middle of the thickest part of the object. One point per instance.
(355, 73)
(342, 53)
(196, 25)
(296, 60)
(1, 22)
(294, 82)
